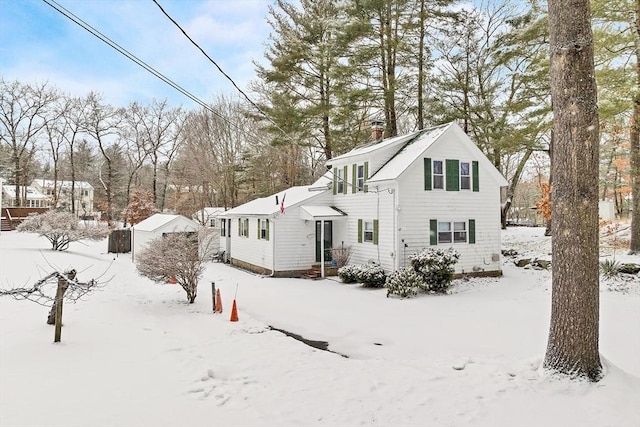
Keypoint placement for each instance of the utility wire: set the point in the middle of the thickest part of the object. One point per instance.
(220, 69)
(68, 14)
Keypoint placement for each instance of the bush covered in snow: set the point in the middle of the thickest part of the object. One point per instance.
(371, 275)
(431, 271)
(436, 267)
(62, 228)
(404, 282)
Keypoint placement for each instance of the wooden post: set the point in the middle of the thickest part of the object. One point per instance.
(63, 284)
(213, 295)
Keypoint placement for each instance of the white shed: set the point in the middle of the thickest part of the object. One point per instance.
(157, 225)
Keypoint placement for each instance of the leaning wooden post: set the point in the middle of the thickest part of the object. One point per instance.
(63, 284)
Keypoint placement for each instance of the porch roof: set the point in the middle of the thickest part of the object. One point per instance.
(316, 212)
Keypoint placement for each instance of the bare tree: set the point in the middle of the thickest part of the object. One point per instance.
(634, 138)
(102, 122)
(65, 286)
(74, 111)
(158, 126)
(179, 256)
(573, 334)
(23, 114)
(62, 228)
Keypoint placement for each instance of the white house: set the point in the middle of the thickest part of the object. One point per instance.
(208, 217)
(82, 194)
(385, 200)
(156, 226)
(30, 197)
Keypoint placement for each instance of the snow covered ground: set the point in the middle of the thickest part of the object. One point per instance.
(136, 354)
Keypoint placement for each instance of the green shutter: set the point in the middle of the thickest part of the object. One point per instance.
(375, 231)
(433, 231)
(246, 227)
(344, 186)
(472, 231)
(427, 174)
(258, 228)
(335, 182)
(354, 171)
(359, 231)
(453, 175)
(267, 234)
(239, 224)
(366, 176)
(475, 177)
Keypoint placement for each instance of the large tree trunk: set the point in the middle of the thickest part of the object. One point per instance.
(635, 148)
(573, 335)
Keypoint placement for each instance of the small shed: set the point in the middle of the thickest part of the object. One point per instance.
(157, 225)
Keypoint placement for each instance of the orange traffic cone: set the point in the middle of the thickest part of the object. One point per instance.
(234, 312)
(218, 302)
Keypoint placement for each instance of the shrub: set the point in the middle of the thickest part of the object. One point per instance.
(341, 255)
(371, 275)
(435, 266)
(62, 228)
(348, 273)
(609, 268)
(404, 282)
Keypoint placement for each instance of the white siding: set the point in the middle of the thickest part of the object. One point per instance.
(378, 204)
(418, 206)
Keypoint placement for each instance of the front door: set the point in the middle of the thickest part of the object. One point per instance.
(328, 240)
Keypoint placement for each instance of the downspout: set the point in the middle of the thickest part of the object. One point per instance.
(322, 248)
(272, 236)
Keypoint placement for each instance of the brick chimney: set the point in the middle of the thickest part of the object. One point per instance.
(377, 130)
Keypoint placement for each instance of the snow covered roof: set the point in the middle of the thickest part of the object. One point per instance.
(49, 183)
(311, 212)
(389, 143)
(158, 220)
(32, 193)
(408, 154)
(267, 205)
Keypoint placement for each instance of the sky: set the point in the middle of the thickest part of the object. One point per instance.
(38, 44)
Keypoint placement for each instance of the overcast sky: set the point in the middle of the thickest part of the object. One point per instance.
(39, 44)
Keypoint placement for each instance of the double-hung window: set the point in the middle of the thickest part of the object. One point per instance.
(340, 180)
(263, 229)
(465, 176)
(368, 231)
(438, 174)
(452, 232)
(360, 178)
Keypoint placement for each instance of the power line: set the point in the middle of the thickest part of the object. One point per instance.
(93, 31)
(220, 69)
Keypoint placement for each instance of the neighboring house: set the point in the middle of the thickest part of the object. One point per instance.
(210, 218)
(82, 195)
(385, 200)
(156, 226)
(30, 197)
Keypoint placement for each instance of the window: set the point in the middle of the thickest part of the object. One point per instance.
(212, 223)
(360, 178)
(243, 227)
(368, 231)
(340, 181)
(465, 176)
(263, 230)
(438, 174)
(85, 192)
(452, 232)
(444, 232)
